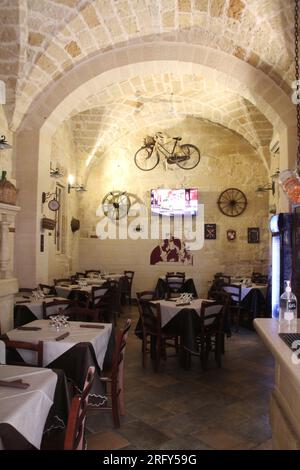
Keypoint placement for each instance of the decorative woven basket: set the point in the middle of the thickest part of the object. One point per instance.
(49, 224)
(8, 192)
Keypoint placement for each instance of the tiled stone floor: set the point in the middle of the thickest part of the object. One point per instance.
(181, 409)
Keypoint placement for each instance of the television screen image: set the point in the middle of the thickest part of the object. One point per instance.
(174, 201)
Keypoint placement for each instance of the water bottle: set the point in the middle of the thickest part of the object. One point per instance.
(288, 305)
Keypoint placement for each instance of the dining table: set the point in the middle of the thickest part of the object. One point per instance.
(34, 401)
(179, 319)
(73, 349)
(253, 297)
(27, 308)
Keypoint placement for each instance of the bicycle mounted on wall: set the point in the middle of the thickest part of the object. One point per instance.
(186, 156)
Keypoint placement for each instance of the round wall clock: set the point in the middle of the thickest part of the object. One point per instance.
(53, 205)
(232, 202)
(115, 204)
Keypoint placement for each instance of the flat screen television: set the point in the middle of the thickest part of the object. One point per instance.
(174, 202)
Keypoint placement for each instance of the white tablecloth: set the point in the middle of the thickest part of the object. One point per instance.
(36, 306)
(27, 409)
(169, 308)
(99, 339)
(245, 290)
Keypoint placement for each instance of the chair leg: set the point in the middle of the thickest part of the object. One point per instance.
(158, 354)
(203, 356)
(115, 405)
(144, 351)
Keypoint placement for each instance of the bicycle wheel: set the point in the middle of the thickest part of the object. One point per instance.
(192, 155)
(145, 159)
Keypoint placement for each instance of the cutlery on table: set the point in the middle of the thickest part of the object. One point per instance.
(29, 328)
(64, 335)
(101, 327)
(14, 384)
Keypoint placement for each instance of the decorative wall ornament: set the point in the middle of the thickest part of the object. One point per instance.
(75, 224)
(232, 202)
(253, 235)
(231, 235)
(116, 204)
(171, 250)
(8, 192)
(210, 231)
(186, 156)
(48, 224)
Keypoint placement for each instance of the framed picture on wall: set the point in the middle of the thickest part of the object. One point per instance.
(253, 234)
(210, 231)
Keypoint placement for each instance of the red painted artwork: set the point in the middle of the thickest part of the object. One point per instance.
(171, 250)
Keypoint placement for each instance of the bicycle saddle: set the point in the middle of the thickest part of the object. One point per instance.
(177, 138)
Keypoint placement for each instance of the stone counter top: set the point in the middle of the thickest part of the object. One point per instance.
(268, 329)
(285, 397)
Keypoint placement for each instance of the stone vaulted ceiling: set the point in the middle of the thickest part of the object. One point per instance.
(41, 40)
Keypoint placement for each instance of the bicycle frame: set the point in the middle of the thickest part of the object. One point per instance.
(161, 149)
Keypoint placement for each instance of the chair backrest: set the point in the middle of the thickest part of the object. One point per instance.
(150, 315)
(74, 437)
(98, 293)
(51, 308)
(14, 345)
(92, 272)
(175, 281)
(117, 372)
(78, 274)
(259, 278)
(2, 352)
(146, 295)
(78, 313)
(47, 289)
(225, 278)
(235, 291)
(59, 282)
(211, 317)
(129, 278)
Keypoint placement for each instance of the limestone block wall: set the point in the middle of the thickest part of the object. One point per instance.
(227, 160)
(62, 156)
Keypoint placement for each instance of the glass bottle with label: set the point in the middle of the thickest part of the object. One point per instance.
(288, 305)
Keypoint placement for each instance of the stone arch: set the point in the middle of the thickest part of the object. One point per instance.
(57, 101)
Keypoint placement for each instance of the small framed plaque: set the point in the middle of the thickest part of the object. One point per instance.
(253, 235)
(210, 231)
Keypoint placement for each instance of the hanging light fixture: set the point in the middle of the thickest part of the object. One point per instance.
(290, 179)
(3, 143)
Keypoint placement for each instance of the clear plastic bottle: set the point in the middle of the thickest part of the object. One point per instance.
(288, 305)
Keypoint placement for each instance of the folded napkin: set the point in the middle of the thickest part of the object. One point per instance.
(182, 305)
(26, 296)
(64, 285)
(101, 327)
(29, 328)
(23, 301)
(14, 384)
(64, 335)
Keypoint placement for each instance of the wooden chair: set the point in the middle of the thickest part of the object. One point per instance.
(235, 308)
(12, 346)
(115, 377)
(52, 308)
(106, 299)
(78, 313)
(78, 274)
(74, 437)
(127, 286)
(174, 283)
(47, 289)
(150, 315)
(146, 295)
(211, 333)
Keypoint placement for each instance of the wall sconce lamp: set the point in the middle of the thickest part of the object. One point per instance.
(3, 143)
(73, 185)
(79, 187)
(266, 187)
(56, 172)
